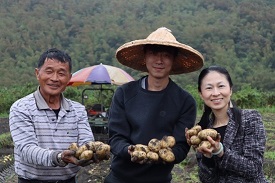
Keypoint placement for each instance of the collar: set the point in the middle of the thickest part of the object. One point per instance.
(144, 82)
(41, 103)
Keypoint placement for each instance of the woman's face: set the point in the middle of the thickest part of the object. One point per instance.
(215, 91)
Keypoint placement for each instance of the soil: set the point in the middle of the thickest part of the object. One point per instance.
(95, 173)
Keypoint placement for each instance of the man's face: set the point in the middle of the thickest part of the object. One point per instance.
(53, 77)
(159, 61)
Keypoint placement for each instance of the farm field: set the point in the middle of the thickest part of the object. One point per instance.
(185, 172)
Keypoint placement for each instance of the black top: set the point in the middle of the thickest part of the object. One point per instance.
(210, 161)
(138, 115)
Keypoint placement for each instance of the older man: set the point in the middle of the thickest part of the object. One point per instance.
(44, 124)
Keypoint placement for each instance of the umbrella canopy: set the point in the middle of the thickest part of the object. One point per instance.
(100, 74)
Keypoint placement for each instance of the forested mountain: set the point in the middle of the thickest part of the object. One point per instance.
(237, 34)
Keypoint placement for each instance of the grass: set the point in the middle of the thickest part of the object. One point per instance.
(4, 115)
(5, 140)
(270, 155)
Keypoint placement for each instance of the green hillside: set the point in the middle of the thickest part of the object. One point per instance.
(238, 34)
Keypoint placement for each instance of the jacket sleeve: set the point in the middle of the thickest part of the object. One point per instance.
(186, 120)
(119, 128)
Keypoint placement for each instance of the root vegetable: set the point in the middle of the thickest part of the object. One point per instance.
(195, 140)
(205, 143)
(200, 140)
(154, 145)
(93, 145)
(73, 147)
(169, 140)
(98, 143)
(154, 151)
(191, 132)
(141, 147)
(208, 132)
(166, 155)
(86, 155)
(103, 152)
(80, 150)
(197, 128)
(138, 156)
(163, 144)
(194, 130)
(93, 149)
(152, 156)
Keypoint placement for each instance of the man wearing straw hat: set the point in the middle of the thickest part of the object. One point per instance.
(151, 107)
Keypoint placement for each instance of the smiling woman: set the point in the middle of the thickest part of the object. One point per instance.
(240, 130)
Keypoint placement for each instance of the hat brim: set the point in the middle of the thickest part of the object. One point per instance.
(131, 54)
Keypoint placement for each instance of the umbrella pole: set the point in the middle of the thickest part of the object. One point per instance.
(100, 95)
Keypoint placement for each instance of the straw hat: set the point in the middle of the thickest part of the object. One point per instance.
(131, 54)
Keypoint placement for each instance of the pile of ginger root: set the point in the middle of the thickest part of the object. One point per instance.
(155, 151)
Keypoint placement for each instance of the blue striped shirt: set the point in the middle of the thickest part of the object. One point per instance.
(37, 134)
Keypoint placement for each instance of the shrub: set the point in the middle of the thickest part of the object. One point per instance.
(5, 140)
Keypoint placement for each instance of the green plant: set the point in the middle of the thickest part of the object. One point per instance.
(6, 140)
(270, 155)
(249, 97)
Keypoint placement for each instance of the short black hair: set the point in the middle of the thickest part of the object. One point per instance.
(159, 48)
(54, 53)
